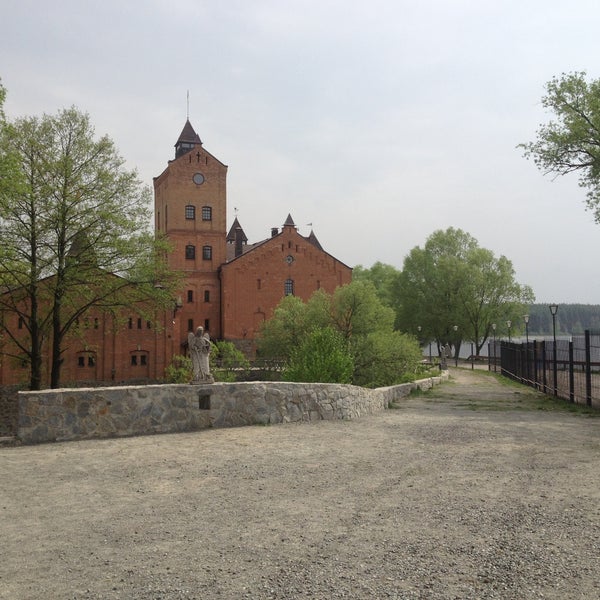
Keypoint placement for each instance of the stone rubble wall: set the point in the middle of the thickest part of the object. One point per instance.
(83, 413)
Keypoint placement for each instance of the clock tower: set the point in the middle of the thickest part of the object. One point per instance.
(190, 208)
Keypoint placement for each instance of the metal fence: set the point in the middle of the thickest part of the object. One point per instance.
(568, 369)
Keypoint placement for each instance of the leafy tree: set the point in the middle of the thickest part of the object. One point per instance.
(74, 235)
(357, 310)
(323, 357)
(571, 142)
(357, 316)
(452, 282)
(383, 277)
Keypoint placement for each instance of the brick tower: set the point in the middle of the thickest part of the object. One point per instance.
(190, 208)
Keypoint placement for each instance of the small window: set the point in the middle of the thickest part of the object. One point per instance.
(288, 287)
(148, 324)
(258, 284)
(190, 252)
(81, 361)
(207, 213)
(91, 360)
(139, 323)
(130, 323)
(206, 295)
(134, 360)
(96, 323)
(190, 324)
(190, 212)
(143, 361)
(206, 324)
(190, 295)
(21, 323)
(206, 252)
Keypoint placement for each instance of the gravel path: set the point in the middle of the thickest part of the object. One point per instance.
(465, 492)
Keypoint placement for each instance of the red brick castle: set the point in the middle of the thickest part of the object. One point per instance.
(230, 288)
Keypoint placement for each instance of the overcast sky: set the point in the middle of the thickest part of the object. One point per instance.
(378, 123)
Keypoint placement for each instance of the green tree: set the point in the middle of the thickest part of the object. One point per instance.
(571, 141)
(384, 358)
(452, 282)
(358, 317)
(74, 235)
(356, 310)
(322, 356)
(383, 277)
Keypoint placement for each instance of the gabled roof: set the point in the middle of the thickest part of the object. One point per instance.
(188, 135)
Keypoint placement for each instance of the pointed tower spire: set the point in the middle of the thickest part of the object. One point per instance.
(187, 140)
(289, 222)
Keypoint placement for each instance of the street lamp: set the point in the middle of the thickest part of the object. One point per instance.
(494, 330)
(419, 330)
(553, 310)
(455, 346)
(509, 325)
(526, 319)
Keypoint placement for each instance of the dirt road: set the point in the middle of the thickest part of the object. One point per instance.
(469, 491)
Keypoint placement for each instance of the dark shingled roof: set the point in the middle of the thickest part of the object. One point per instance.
(188, 135)
(231, 234)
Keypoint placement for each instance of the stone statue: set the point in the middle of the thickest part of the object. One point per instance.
(199, 346)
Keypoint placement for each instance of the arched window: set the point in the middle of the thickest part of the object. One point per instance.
(288, 287)
(190, 252)
(207, 213)
(207, 252)
(190, 212)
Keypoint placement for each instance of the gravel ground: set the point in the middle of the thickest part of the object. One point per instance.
(465, 492)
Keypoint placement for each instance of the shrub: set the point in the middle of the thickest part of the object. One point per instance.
(322, 357)
(180, 370)
(228, 363)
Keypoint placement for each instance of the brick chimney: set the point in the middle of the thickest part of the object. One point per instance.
(239, 241)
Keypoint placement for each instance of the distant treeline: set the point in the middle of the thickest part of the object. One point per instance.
(570, 319)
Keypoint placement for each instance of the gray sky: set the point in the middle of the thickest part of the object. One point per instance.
(378, 124)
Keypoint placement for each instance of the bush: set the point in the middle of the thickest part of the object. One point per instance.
(228, 363)
(322, 357)
(180, 370)
(385, 358)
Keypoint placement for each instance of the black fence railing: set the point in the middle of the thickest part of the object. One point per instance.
(568, 369)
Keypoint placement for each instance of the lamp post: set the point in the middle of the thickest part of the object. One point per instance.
(455, 346)
(509, 325)
(553, 310)
(494, 330)
(526, 319)
(419, 330)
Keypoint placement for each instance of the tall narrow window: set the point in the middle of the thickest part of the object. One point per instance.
(207, 252)
(21, 323)
(190, 295)
(190, 212)
(139, 323)
(206, 295)
(288, 287)
(190, 324)
(207, 213)
(190, 252)
(206, 324)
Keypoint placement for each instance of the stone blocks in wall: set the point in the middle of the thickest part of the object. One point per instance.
(81, 413)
